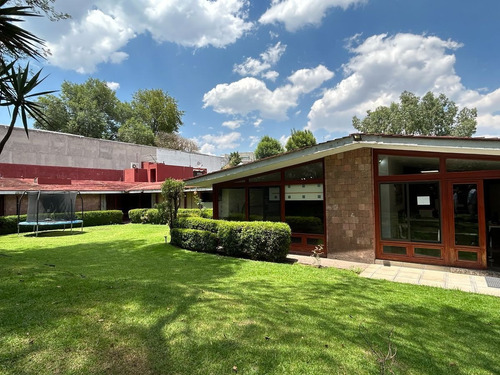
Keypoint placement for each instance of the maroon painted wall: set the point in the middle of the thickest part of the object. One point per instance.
(32, 171)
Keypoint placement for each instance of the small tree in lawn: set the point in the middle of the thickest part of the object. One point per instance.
(172, 191)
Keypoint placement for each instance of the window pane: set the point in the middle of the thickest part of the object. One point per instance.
(232, 204)
(305, 172)
(304, 210)
(394, 250)
(267, 177)
(425, 223)
(264, 203)
(390, 165)
(466, 220)
(393, 215)
(462, 165)
(435, 253)
(467, 256)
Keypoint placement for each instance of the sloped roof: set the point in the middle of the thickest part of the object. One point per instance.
(441, 144)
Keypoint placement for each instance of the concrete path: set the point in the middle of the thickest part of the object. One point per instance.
(442, 277)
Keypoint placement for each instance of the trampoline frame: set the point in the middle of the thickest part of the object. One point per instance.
(37, 224)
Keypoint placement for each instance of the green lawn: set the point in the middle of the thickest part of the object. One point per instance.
(118, 300)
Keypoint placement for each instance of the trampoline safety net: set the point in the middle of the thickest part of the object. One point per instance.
(47, 207)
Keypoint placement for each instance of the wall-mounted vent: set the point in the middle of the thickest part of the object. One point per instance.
(134, 165)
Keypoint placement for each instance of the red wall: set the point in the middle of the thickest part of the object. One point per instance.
(32, 171)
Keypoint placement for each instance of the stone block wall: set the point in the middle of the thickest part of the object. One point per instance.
(350, 206)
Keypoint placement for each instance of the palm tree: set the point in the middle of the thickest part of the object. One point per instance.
(16, 85)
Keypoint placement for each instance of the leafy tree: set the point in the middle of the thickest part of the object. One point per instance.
(174, 141)
(300, 139)
(429, 115)
(134, 131)
(157, 110)
(268, 146)
(172, 191)
(16, 84)
(90, 109)
(45, 6)
(234, 159)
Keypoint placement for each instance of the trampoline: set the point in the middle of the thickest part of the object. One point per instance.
(50, 209)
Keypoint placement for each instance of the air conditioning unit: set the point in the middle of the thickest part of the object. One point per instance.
(134, 165)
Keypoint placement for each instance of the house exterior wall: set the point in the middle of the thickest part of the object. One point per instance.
(349, 204)
(91, 202)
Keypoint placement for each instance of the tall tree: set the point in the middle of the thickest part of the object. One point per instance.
(157, 110)
(134, 131)
(300, 139)
(429, 115)
(268, 146)
(16, 83)
(233, 160)
(90, 109)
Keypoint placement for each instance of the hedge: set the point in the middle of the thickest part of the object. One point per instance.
(8, 224)
(194, 239)
(152, 215)
(258, 240)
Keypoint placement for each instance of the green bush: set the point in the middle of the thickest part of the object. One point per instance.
(257, 240)
(8, 224)
(195, 212)
(157, 216)
(136, 215)
(194, 239)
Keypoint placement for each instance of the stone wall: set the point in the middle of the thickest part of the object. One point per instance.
(350, 206)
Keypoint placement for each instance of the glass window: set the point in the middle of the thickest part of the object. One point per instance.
(400, 250)
(434, 253)
(463, 165)
(390, 165)
(232, 204)
(276, 176)
(305, 172)
(410, 211)
(465, 213)
(468, 256)
(264, 203)
(304, 210)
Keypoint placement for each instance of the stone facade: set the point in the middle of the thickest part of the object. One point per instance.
(350, 206)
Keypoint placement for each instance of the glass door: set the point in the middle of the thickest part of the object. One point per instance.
(467, 234)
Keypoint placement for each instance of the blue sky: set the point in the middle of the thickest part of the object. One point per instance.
(244, 69)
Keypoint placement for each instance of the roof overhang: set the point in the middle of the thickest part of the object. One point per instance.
(452, 145)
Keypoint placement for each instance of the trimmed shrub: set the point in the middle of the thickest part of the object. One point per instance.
(136, 215)
(194, 239)
(8, 224)
(95, 218)
(256, 240)
(156, 216)
(195, 212)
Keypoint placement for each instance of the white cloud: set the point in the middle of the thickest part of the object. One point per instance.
(257, 122)
(233, 124)
(251, 95)
(284, 139)
(98, 35)
(260, 67)
(96, 39)
(296, 14)
(113, 85)
(212, 143)
(253, 140)
(383, 67)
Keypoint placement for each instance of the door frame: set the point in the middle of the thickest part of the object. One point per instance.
(452, 249)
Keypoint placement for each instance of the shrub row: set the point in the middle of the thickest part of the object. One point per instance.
(258, 240)
(8, 224)
(153, 215)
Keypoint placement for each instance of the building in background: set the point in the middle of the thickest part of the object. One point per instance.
(109, 174)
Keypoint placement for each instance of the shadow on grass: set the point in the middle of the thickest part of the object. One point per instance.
(131, 307)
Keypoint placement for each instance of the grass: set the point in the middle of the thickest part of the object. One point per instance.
(118, 300)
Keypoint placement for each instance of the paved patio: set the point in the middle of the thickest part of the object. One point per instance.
(437, 276)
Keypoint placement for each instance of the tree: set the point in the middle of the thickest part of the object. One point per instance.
(300, 139)
(428, 115)
(268, 146)
(172, 191)
(174, 141)
(90, 109)
(134, 131)
(233, 160)
(16, 85)
(157, 110)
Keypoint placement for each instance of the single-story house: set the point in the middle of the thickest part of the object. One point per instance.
(421, 199)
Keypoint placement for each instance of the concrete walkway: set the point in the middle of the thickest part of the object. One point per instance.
(419, 274)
